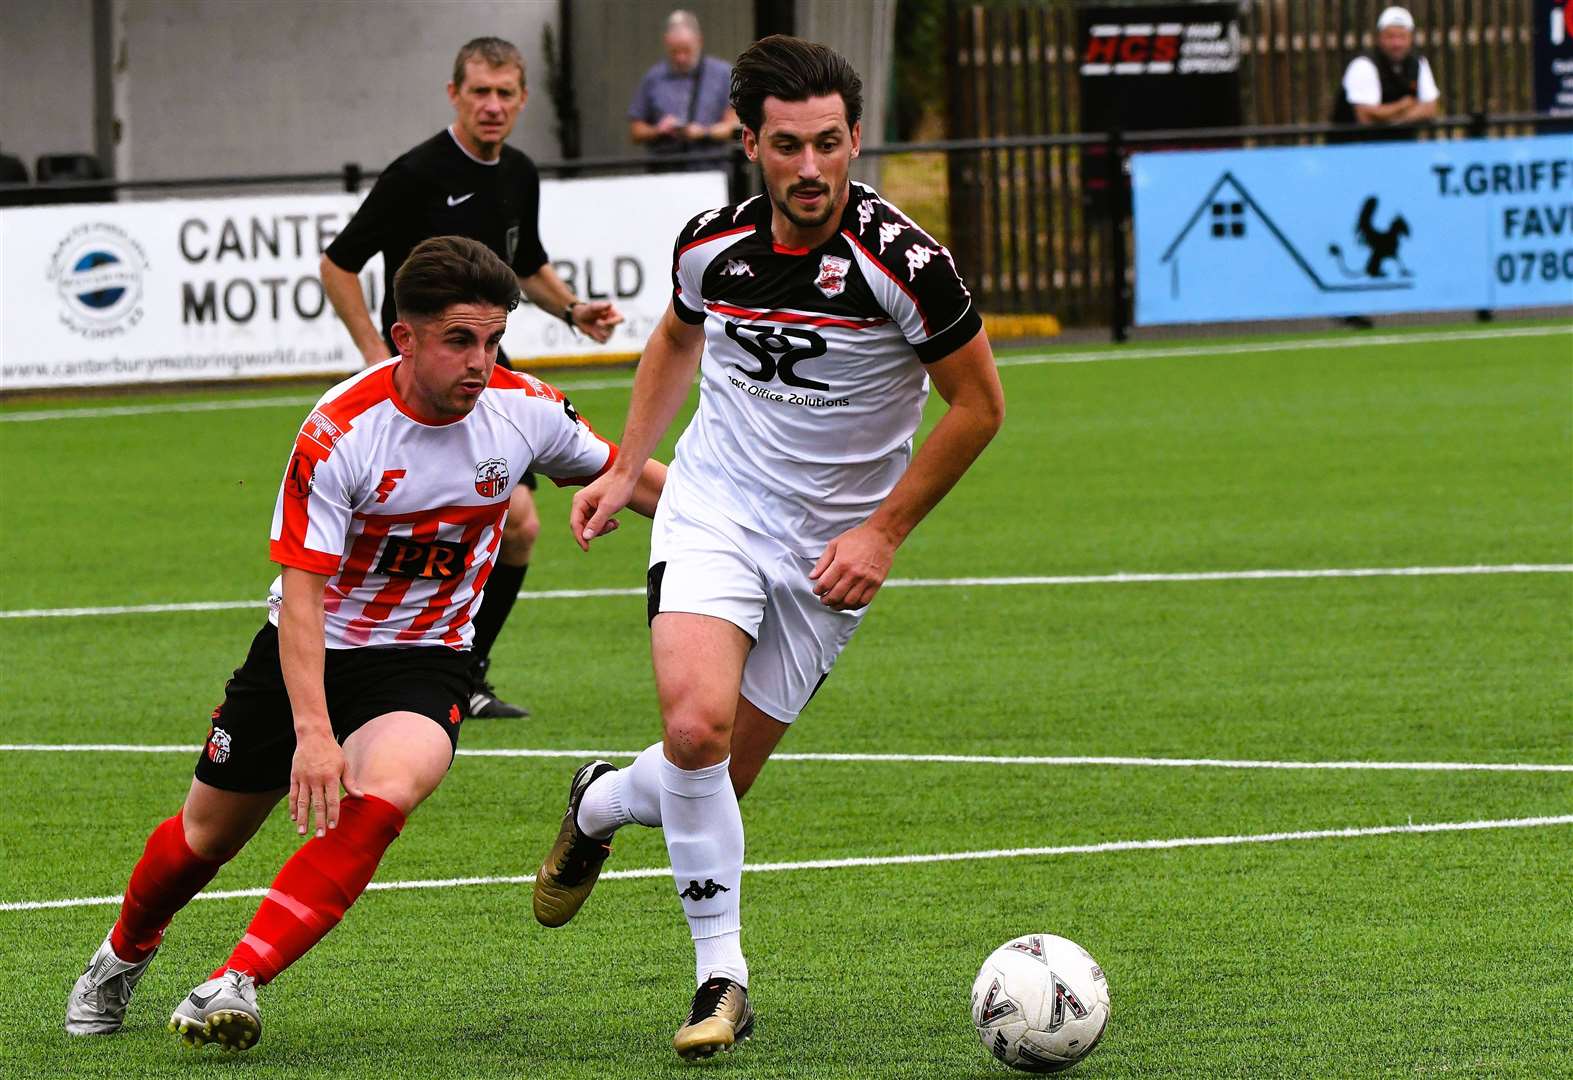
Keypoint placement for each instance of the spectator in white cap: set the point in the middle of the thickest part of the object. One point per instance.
(1391, 84)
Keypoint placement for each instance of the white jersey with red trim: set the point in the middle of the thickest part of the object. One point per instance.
(812, 382)
(404, 516)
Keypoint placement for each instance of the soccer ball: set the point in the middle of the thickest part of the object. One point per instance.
(1040, 1003)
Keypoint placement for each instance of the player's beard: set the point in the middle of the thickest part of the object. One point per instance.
(801, 221)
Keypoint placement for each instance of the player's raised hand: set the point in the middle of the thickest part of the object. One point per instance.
(314, 783)
(853, 567)
(597, 318)
(594, 505)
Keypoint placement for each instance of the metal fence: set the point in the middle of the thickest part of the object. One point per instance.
(1023, 230)
(1026, 216)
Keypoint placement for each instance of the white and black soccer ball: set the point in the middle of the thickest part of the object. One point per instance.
(1040, 1003)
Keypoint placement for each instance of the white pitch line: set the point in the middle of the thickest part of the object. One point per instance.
(901, 583)
(916, 759)
(1298, 345)
(294, 401)
(1026, 359)
(1105, 848)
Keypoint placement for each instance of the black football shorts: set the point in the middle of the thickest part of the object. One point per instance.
(252, 742)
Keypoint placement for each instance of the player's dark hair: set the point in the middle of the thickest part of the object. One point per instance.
(494, 50)
(791, 69)
(448, 270)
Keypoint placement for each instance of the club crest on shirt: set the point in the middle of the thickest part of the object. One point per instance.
(491, 477)
(832, 280)
(218, 746)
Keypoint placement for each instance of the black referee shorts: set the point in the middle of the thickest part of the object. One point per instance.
(252, 744)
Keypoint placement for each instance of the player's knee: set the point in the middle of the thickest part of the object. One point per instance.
(695, 739)
(212, 839)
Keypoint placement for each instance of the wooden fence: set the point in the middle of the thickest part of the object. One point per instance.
(1019, 220)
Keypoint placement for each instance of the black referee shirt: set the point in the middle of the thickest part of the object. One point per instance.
(437, 189)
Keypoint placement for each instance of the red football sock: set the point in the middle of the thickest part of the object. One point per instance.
(315, 888)
(165, 879)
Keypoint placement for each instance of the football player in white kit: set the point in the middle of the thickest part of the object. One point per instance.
(387, 526)
(817, 315)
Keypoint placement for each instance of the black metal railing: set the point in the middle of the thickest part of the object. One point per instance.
(1051, 235)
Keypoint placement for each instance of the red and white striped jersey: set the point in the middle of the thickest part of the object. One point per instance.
(405, 516)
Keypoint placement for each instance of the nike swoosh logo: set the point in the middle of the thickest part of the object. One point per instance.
(202, 1003)
(456, 201)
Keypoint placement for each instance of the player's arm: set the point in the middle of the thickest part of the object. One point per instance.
(385, 210)
(855, 564)
(661, 385)
(551, 294)
(343, 289)
(319, 761)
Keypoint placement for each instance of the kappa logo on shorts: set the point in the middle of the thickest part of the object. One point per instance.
(832, 280)
(218, 746)
(491, 477)
(454, 715)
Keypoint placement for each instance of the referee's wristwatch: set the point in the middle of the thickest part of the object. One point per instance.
(567, 313)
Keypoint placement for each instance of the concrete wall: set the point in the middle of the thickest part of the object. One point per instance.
(222, 87)
(237, 87)
(616, 42)
(46, 78)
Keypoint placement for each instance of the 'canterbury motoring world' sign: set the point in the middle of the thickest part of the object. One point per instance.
(218, 289)
(1348, 230)
(1154, 67)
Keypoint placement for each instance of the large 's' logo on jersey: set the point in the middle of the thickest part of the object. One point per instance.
(779, 350)
(491, 477)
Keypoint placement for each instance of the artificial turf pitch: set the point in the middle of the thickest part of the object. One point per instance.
(1396, 955)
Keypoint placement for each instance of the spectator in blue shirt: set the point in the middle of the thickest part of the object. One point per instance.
(683, 104)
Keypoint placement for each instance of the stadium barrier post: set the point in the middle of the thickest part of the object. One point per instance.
(1478, 130)
(352, 177)
(1114, 162)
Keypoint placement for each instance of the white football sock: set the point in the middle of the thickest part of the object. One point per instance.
(630, 796)
(704, 839)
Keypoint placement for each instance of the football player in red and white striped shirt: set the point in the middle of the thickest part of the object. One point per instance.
(387, 525)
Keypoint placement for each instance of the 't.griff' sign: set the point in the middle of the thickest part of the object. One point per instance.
(1296, 232)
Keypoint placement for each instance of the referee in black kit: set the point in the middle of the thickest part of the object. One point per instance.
(466, 181)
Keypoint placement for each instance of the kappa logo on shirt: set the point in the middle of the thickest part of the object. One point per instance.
(832, 280)
(888, 232)
(704, 219)
(491, 477)
(918, 257)
(738, 268)
(865, 214)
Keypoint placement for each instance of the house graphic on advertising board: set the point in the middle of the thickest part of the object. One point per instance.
(1230, 237)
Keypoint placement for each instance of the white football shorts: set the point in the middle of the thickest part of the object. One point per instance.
(704, 563)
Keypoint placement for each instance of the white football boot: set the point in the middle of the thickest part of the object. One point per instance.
(97, 1005)
(222, 1010)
